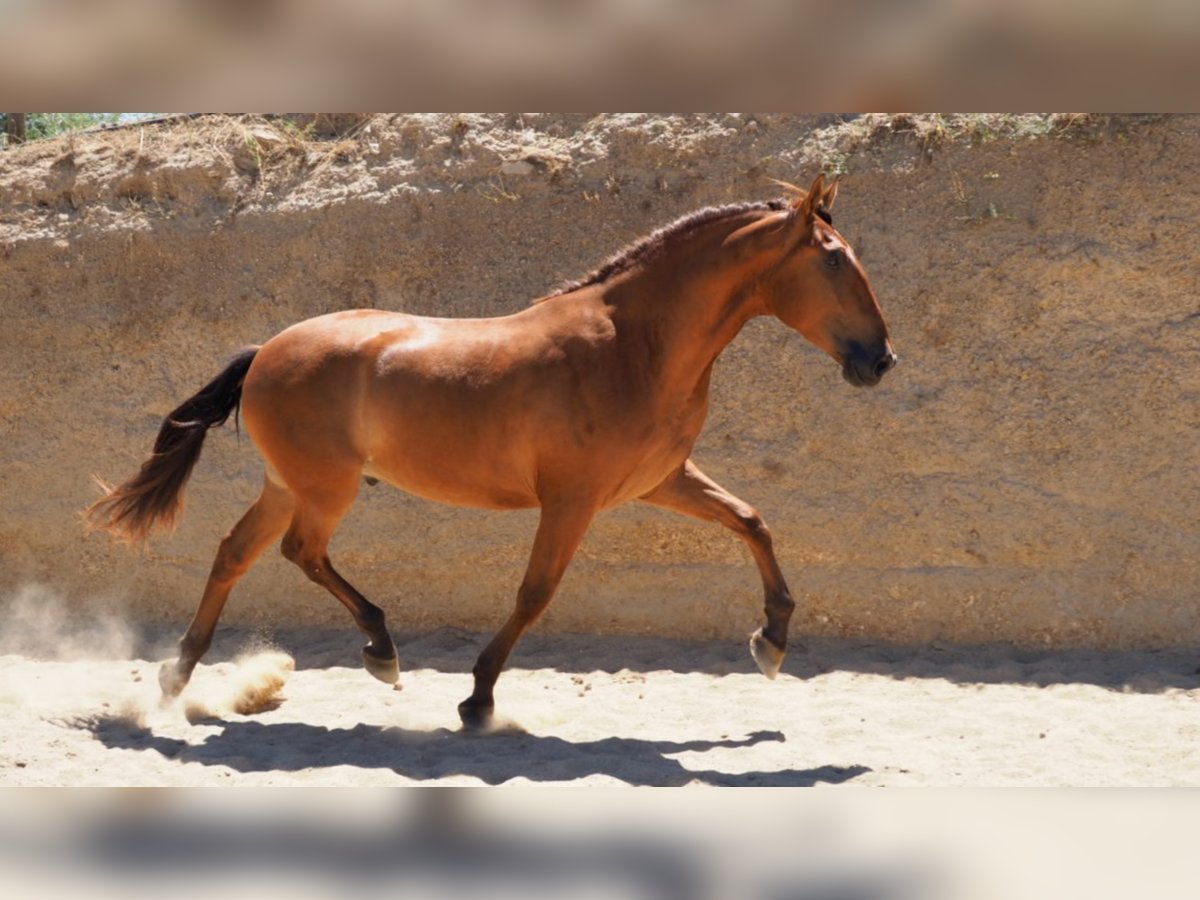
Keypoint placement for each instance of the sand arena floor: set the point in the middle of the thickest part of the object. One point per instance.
(295, 708)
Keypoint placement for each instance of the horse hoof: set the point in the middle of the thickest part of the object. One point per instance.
(475, 716)
(766, 654)
(386, 670)
(171, 680)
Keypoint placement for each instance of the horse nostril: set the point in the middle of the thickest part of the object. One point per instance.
(885, 364)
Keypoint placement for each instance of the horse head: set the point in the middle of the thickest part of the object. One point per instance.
(820, 288)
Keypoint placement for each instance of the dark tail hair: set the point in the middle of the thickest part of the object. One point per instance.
(154, 496)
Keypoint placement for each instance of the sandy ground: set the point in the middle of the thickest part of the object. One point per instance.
(602, 711)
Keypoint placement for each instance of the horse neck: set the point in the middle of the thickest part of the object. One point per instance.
(694, 297)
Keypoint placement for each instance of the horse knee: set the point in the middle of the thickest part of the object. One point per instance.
(750, 525)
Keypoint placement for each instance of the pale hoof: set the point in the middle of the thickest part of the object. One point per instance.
(767, 655)
(171, 681)
(386, 670)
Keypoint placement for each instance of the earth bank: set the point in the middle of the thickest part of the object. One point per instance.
(1027, 474)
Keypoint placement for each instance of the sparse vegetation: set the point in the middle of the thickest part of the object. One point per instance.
(41, 125)
(498, 192)
(938, 129)
(841, 143)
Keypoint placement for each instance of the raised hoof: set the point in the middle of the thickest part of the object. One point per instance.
(386, 670)
(475, 716)
(766, 654)
(171, 680)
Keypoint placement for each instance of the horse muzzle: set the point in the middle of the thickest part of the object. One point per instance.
(865, 367)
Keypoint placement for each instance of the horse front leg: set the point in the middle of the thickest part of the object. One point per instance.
(691, 492)
(560, 531)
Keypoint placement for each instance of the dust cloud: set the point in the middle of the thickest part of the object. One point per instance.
(38, 623)
(253, 684)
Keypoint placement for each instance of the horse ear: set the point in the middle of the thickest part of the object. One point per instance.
(808, 205)
(830, 194)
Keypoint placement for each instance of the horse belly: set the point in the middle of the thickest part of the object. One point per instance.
(450, 481)
(448, 444)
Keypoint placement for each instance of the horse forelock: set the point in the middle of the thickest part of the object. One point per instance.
(645, 247)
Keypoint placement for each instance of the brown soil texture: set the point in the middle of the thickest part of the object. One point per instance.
(1027, 474)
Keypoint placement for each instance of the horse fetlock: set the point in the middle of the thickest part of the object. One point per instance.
(192, 648)
(384, 667)
(784, 603)
(766, 654)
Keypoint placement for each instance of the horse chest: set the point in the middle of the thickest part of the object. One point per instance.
(653, 445)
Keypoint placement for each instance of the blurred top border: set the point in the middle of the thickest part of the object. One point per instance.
(569, 54)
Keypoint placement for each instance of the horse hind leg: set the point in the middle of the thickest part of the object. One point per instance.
(259, 527)
(306, 544)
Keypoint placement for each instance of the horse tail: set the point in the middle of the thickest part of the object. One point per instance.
(154, 496)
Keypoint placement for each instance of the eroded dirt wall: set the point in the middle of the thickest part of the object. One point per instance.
(1028, 473)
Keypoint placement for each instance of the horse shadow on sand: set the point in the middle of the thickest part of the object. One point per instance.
(449, 649)
(493, 757)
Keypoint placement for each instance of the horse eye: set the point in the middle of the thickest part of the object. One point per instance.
(833, 258)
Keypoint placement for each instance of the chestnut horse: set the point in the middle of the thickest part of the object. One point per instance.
(590, 397)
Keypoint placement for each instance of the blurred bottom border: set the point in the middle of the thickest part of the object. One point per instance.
(682, 843)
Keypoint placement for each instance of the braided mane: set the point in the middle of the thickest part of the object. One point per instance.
(646, 247)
